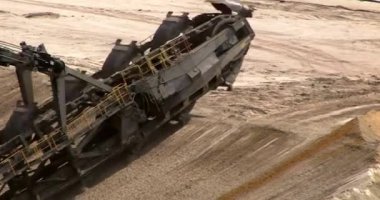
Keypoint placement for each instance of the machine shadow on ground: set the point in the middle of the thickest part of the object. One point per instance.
(118, 162)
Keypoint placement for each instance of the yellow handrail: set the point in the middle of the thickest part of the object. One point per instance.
(119, 96)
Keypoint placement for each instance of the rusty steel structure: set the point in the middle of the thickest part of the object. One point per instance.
(48, 146)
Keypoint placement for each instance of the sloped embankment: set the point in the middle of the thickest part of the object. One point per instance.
(333, 166)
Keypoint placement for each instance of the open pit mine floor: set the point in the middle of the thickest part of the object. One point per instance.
(289, 130)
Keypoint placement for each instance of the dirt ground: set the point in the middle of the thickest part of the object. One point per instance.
(313, 66)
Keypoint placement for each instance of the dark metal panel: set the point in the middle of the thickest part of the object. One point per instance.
(197, 56)
(24, 77)
(194, 73)
(209, 72)
(88, 79)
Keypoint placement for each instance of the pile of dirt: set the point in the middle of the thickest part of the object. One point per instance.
(365, 186)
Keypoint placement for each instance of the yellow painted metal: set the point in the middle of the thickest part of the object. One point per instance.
(120, 96)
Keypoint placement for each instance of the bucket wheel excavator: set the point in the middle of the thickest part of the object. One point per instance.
(48, 146)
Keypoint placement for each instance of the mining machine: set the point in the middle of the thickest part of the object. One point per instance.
(48, 146)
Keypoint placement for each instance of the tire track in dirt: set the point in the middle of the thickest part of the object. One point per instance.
(345, 108)
(309, 57)
(96, 11)
(349, 130)
(294, 101)
(318, 10)
(340, 112)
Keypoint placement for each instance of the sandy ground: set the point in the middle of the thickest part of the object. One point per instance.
(313, 66)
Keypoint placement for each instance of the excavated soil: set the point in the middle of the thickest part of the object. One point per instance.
(313, 67)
